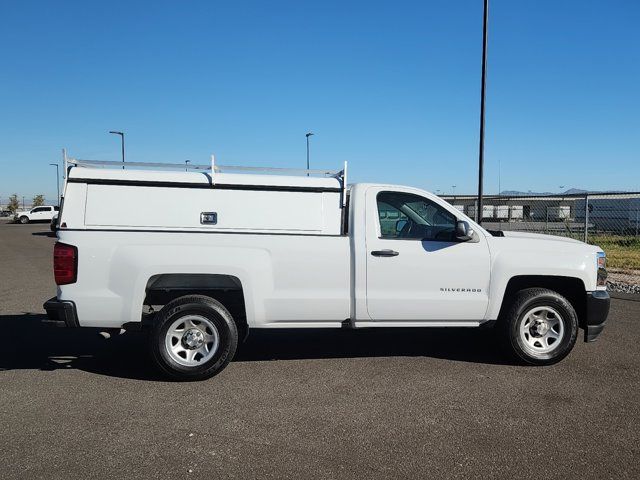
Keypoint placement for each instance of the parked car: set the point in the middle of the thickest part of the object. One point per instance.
(38, 214)
(205, 258)
(5, 213)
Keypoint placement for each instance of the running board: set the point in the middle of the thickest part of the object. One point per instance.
(419, 323)
(309, 324)
(369, 324)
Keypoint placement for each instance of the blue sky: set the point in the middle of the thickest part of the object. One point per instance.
(392, 87)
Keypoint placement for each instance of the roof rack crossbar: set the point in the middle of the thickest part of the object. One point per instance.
(216, 168)
(111, 163)
(294, 171)
(340, 175)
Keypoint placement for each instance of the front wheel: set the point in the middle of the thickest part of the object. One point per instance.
(540, 327)
(193, 338)
(24, 220)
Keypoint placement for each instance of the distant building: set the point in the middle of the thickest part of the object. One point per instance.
(607, 212)
(616, 213)
(517, 209)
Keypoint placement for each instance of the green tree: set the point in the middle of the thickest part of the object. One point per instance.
(13, 203)
(38, 200)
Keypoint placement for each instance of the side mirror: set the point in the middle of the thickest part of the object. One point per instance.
(463, 231)
(400, 224)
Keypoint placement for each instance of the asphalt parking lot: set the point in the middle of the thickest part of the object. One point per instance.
(316, 404)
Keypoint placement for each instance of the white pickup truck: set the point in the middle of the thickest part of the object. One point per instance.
(43, 213)
(200, 258)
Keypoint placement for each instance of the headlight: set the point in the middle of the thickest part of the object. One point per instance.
(602, 269)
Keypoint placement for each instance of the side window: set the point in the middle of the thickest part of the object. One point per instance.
(40, 209)
(57, 209)
(389, 217)
(412, 217)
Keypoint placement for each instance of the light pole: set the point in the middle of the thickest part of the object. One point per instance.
(122, 141)
(482, 96)
(186, 164)
(57, 180)
(308, 135)
(453, 188)
(499, 174)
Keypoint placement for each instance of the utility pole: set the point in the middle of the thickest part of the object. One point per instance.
(122, 142)
(186, 164)
(308, 135)
(482, 98)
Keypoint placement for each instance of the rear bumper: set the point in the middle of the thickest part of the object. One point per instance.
(61, 313)
(598, 303)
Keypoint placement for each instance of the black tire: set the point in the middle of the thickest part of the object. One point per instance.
(186, 307)
(522, 341)
(23, 220)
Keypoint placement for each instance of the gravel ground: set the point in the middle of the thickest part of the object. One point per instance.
(314, 404)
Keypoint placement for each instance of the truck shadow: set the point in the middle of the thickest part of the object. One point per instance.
(30, 344)
(458, 344)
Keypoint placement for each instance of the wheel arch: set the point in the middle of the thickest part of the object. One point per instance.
(572, 288)
(227, 289)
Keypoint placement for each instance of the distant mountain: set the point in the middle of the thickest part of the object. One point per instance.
(516, 193)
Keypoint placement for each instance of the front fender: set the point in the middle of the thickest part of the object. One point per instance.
(508, 264)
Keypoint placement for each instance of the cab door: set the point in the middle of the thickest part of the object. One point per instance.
(39, 213)
(48, 213)
(416, 269)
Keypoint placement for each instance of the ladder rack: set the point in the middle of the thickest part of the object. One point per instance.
(340, 175)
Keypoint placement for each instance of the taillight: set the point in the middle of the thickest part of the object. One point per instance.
(65, 263)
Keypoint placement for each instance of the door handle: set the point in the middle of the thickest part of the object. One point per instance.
(385, 253)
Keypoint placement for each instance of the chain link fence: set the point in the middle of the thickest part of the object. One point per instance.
(609, 220)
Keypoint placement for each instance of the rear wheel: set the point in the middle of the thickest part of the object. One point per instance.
(24, 220)
(540, 327)
(193, 338)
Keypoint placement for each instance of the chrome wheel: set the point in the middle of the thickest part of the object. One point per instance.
(541, 330)
(192, 340)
